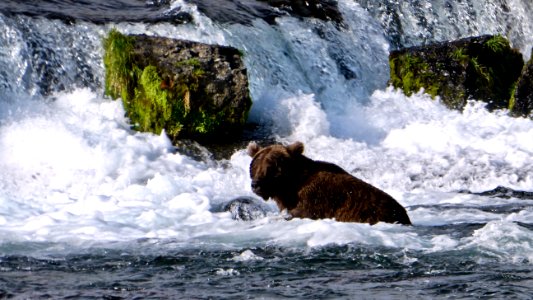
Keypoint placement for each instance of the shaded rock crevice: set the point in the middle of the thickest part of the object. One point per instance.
(522, 102)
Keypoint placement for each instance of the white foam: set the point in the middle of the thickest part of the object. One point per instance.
(91, 179)
(247, 255)
(505, 240)
(227, 272)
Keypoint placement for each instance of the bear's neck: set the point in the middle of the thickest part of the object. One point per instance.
(302, 168)
(305, 168)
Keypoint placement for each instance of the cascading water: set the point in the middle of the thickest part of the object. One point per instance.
(421, 22)
(41, 56)
(90, 208)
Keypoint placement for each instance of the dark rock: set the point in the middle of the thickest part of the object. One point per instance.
(245, 209)
(523, 97)
(326, 10)
(191, 90)
(506, 193)
(96, 12)
(244, 12)
(483, 68)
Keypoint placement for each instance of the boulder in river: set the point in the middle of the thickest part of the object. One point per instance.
(190, 90)
(483, 68)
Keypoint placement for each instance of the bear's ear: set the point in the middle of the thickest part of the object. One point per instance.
(296, 148)
(253, 148)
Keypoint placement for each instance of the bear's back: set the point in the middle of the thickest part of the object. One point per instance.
(331, 192)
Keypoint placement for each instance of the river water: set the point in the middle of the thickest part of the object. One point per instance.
(91, 209)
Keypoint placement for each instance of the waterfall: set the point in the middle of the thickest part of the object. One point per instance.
(340, 65)
(410, 23)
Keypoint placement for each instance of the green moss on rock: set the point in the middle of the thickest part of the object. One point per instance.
(413, 75)
(152, 106)
(497, 44)
(119, 74)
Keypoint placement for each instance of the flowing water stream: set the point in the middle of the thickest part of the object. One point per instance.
(91, 209)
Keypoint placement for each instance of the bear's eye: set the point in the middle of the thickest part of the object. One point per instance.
(275, 170)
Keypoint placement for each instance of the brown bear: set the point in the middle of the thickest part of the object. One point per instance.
(316, 189)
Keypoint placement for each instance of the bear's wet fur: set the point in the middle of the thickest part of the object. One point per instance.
(317, 189)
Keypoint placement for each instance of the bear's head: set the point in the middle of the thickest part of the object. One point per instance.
(273, 168)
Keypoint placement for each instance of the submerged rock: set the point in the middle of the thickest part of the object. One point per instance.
(189, 89)
(502, 192)
(522, 104)
(506, 193)
(483, 68)
(245, 209)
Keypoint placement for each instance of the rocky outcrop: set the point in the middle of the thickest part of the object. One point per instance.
(244, 12)
(484, 68)
(522, 104)
(154, 11)
(188, 89)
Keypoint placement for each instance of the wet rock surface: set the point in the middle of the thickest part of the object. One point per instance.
(245, 11)
(98, 11)
(523, 97)
(244, 208)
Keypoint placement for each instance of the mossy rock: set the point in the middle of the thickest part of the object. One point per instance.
(190, 90)
(522, 102)
(483, 68)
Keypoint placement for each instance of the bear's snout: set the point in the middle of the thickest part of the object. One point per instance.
(259, 189)
(255, 186)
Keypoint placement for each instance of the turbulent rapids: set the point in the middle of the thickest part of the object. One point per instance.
(90, 208)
